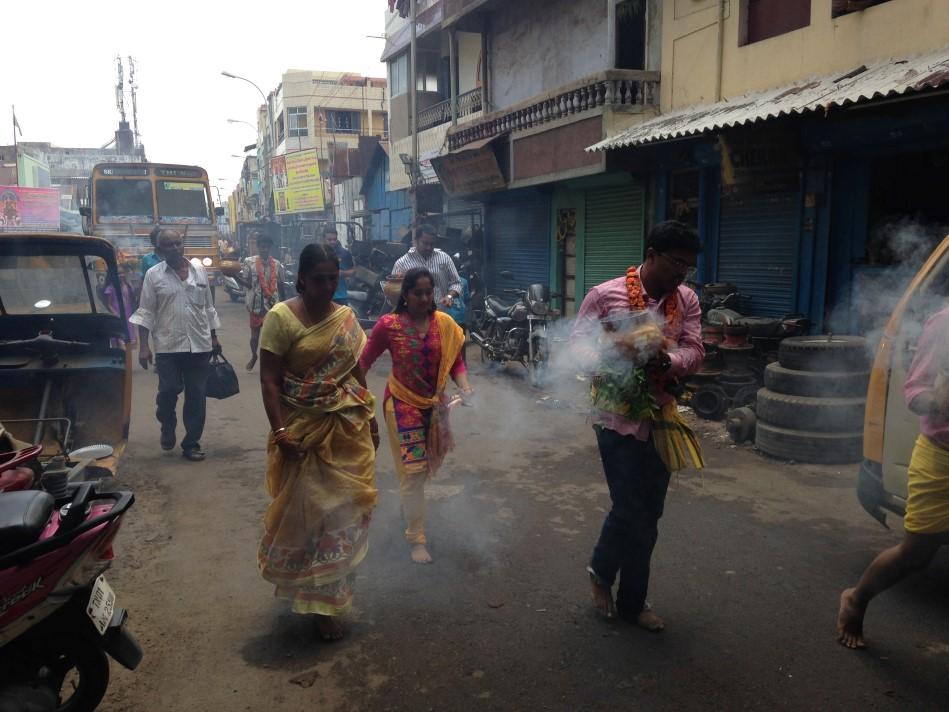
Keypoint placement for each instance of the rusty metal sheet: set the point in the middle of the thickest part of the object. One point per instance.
(891, 77)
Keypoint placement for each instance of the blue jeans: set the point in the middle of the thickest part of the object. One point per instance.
(638, 481)
(179, 372)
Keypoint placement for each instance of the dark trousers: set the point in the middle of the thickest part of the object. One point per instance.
(638, 481)
(186, 372)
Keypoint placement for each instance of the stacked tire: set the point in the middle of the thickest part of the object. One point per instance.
(812, 406)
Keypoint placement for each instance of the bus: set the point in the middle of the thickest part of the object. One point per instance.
(126, 200)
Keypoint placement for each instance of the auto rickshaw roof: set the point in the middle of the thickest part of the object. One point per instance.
(65, 324)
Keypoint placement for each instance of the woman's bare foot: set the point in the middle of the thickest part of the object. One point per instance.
(850, 621)
(329, 628)
(420, 554)
(648, 620)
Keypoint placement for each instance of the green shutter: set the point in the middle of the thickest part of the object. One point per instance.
(613, 239)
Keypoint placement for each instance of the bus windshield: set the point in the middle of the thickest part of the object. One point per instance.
(182, 202)
(124, 200)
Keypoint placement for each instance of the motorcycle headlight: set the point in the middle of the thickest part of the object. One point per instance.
(207, 262)
(539, 308)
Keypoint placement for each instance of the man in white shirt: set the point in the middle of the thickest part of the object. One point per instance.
(176, 308)
(426, 255)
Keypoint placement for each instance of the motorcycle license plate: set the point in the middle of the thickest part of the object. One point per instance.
(101, 605)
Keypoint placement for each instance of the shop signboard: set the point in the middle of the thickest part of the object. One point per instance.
(297, 186)
(28, 209)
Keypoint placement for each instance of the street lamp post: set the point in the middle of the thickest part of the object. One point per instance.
(266, 149)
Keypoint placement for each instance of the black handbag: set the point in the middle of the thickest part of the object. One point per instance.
(222, 381)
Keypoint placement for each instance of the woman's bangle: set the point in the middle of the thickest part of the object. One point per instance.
(279, 430)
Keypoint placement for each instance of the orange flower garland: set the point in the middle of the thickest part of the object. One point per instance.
(637, 299)
(267, 287)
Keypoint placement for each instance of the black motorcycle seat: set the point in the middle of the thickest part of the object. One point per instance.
(498, 306)
(23, 516)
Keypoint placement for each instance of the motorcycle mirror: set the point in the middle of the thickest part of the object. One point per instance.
(507, 274)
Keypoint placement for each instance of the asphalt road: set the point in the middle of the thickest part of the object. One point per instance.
(751, 558)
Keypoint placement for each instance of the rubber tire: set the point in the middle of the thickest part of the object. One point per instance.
(93, 666)
(816, 384)
(744, 397)
(712, 402)
(832, 415)
(816, 353)
(808, 446)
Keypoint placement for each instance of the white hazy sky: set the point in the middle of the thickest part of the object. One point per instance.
(61, 70)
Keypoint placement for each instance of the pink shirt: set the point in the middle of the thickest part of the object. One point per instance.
(933, 346)
(612, 298)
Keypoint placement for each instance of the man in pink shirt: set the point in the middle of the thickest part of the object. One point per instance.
(635, 473)
(926, 524)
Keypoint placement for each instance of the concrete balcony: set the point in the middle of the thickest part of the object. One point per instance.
(468, 103)
(619, 90)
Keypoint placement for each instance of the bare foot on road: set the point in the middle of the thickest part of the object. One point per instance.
(420, 554)
(603, 600)
(329, 628)
(648, 620)
(850, 622)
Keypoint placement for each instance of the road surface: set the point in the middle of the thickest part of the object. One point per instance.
(751, 558)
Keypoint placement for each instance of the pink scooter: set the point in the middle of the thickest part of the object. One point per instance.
(58, 615)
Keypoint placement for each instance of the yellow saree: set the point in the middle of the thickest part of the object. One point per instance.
(316, 528)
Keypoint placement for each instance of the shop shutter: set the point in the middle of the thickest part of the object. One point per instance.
(518, 240)
(758, 248)
(613, 233)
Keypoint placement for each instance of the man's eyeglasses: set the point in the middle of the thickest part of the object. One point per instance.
(680, 264)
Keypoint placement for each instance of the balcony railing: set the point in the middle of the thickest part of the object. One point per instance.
(440, 113)
(615, 88)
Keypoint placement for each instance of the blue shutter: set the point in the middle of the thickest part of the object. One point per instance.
(757, 250)
(518, 239)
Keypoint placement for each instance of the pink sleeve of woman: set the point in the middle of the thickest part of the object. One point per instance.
(458, 367)
(930, 347)
(378, 342)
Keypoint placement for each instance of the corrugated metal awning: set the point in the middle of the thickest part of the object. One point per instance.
(878, 80)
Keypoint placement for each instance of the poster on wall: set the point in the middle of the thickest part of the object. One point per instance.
(28, 209)
(297, 186)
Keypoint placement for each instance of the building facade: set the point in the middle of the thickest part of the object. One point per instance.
(805, 139)
(510, 95)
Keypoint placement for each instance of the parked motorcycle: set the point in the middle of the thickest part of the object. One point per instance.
(373, 264)
(59, 621)
(517, 330)
(234, 291)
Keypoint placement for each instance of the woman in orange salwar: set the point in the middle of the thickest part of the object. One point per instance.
(321, 451)
(426, 347)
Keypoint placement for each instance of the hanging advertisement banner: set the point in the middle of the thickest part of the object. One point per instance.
(28, 209)
(297, 186)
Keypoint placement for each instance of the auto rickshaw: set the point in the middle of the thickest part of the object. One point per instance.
(65, 363)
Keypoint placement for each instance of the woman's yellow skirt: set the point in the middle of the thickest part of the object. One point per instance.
(927, 507)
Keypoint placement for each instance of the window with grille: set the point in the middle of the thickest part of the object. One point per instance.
(342, 121)
(297, 121)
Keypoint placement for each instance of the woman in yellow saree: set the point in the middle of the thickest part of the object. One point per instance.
(425, 346)
(321, 449)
